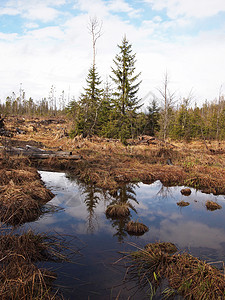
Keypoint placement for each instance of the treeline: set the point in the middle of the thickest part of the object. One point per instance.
(116, 112)
(19, 105)
(113, 109)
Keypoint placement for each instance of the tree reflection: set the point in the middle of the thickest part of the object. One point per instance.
(92, 196)
(124, 196)
(119, 225)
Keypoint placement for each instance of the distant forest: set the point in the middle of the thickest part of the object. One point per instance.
(113, 109)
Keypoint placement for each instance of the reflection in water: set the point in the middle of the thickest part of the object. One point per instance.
(192, 228)
(119, 225)
(91, 199)
(124, 196)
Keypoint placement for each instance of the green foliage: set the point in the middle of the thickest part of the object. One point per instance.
(152, 118)
(123, 76)
(88, 105)
(126, 102)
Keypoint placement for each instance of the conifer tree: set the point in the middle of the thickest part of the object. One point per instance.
(126, 81)
(126, 101)
(89, 104)
(153, 116)
(90, 101)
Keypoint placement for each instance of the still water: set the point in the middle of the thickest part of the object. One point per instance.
(81, 217)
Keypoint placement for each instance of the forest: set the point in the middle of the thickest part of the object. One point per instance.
(113, 109)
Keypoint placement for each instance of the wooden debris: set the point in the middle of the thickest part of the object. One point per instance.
(34, 152)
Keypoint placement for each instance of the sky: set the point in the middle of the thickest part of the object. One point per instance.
(45, 43)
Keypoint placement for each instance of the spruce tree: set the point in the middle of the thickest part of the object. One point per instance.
(153, 116)
(126, 81)
(89, 104)
(126, 101)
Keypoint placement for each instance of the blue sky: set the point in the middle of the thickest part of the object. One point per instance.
(46, 42)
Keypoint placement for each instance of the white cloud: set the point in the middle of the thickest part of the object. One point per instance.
(9, 11)
(190, 8)
(42, 13)
(8, 36)
(33, 10)
(98, 8)
(51, 32)
(31, 25)
(123, 6)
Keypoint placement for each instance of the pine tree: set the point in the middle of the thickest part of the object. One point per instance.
(126, 95)
(126, 101)
(153, 117)
(89, 104)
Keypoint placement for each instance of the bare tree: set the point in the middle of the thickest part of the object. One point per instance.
(95, 29)
(220, 107)
(167, 101)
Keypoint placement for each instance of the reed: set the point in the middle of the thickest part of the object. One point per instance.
(20, 277)
(186, 275)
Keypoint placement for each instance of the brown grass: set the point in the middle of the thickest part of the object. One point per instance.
(136, 228)
(183, 203)
(22, 203)
(20, 278)
(118, 210)
(211, 205)
(107, 162)
(19, 176)
(161, 247)
(22, 192)
(186, 192)
(187, 275)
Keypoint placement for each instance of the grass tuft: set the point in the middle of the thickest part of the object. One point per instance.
(211, 205)
(187, 275)
(136, 228)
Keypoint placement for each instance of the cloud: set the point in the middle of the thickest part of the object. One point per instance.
(61, 54)
(31, 25)
(123, 6)
(51, 32)
(8, 36)
(192, 234)
(33, 10)
(97, 9)
(190, 8)
(42, 13)
(9, 11)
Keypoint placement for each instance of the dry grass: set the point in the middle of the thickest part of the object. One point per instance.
(187, 275)
(118, 210)
(136, 228)
(18, 176)
(22, 192)
(211, 205)
(186, 192)
(183, 203)
(22, 203)
(161, 247)
(107, 162)
(20, 278)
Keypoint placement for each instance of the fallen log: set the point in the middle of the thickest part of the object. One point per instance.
(57, 155)
(37, 153)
